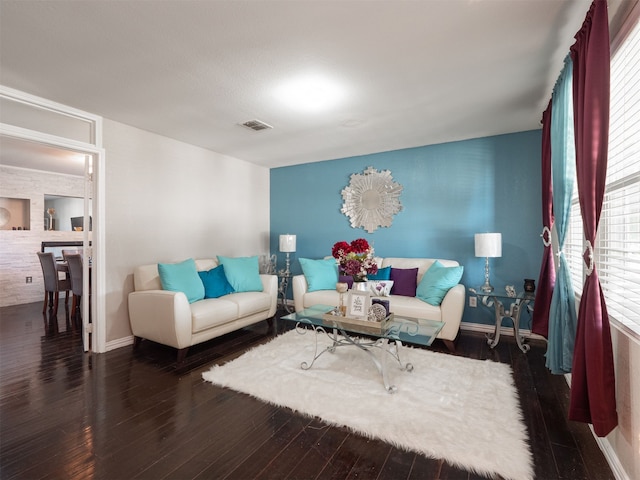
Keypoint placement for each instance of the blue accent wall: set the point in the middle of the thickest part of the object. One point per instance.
(450, 192)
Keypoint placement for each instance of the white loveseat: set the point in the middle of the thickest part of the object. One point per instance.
(168, 318)
(449, 311)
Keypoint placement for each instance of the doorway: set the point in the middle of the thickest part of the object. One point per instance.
(36, 124)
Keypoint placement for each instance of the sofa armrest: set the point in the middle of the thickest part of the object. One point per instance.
(270, 286)
(162, 316)
(300, 287)
(452, 307)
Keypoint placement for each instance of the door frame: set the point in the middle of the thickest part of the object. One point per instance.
(97, 178)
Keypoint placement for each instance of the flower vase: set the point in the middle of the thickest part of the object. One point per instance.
(529, 285)
(359, 284)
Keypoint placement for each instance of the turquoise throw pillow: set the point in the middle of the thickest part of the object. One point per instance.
(320, 274)
(215, 282)
(437, 281)
(182, 277)
(383, 274)
(242, 273)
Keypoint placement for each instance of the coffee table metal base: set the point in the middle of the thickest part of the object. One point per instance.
(341, 338)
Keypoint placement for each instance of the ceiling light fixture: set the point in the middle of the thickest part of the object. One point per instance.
(311, 93)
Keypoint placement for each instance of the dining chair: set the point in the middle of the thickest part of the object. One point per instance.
(74, 264)
(53, 284)
(68, 252)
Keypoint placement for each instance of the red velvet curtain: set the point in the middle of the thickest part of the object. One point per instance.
(547, 277)
(592, 380)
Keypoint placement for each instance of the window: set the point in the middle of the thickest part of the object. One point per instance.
(618, 243)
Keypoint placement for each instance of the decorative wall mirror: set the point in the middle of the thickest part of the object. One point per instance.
(64, 213)
(371, 199)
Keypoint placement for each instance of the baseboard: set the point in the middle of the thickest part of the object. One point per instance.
(606, 448)
(472, 327)
(484, 328)
(610, 454)
(119, 343)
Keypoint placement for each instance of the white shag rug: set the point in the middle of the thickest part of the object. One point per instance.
(458, 409)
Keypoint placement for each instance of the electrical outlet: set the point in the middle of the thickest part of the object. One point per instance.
(473, 302)
(29, 280)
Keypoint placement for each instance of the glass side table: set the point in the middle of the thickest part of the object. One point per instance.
(497, 299)
(283, 289)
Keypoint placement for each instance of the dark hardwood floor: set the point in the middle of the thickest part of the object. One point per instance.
(65, 414)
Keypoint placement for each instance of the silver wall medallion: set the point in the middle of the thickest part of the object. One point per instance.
(371, 199)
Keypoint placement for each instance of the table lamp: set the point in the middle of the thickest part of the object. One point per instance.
(287, 245)
(488, 245)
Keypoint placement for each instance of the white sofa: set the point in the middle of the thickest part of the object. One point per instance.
(449, 312)
(168, 318)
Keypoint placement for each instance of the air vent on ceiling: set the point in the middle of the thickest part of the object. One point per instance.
(256, 125)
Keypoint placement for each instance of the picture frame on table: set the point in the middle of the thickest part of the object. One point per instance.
(358, 304)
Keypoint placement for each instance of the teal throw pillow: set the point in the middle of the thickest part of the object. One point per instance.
(320, 274)
(382, 274)
(242, 273)
(215, 282)
(437, 281)
(182, 277)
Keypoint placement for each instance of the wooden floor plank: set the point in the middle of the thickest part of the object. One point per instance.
(371, 462)
(320, 454)
(65, 414)
(278, 457)
(397, 465)
(345, 458)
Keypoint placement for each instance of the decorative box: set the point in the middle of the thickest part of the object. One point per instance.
(358, 325)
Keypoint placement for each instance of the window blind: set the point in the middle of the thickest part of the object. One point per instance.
(617, 249)
(618, 241)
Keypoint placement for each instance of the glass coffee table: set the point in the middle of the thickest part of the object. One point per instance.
(385, 337)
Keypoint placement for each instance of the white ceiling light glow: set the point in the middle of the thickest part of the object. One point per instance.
(310, 93)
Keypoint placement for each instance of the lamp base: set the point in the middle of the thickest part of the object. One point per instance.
(286, 272)
(486, 288)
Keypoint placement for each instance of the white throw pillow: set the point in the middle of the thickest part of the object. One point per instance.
(380, 288)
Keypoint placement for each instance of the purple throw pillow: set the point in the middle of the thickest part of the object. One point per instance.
(405, 281)
(348, 279)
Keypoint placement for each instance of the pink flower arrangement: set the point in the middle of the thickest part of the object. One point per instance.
(355, 258)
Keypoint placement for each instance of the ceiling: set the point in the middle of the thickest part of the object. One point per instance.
(410, 73)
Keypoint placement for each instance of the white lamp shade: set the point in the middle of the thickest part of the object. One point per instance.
(287, 243)
(488, 244)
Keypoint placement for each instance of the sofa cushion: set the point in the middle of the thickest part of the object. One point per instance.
(243, 273)
(250, 302)
(211, 312)
(413, 307)
(383, 273)
(437, 281)
(405, 281)
(215, 282)
(323, 297)
(422, 264)
(204, 264)
(182, 277)
(320, 274)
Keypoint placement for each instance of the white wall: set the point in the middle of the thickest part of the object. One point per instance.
(18, 258)
(166, 201)
(624, 440)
